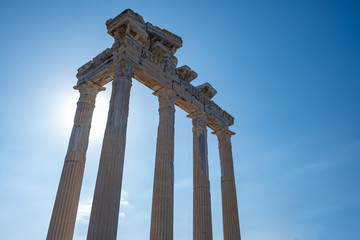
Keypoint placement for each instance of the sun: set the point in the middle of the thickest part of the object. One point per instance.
(99, 117)
(66, 108)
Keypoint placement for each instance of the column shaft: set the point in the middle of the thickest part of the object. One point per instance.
(63, 217)
(231, 225)
(202, 224)
(163, 191)
(106, 202)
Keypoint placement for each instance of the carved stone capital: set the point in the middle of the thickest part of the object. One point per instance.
(124, 70)
(199, 120)
(88, 91)
(166, 98)
(170, 63)
(224, 136)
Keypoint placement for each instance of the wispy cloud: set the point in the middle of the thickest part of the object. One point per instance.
(320, 211)
(339, 155)
(307, 169)
(84, 208)
(183, 183)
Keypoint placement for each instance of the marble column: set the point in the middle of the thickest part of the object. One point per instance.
(63, 217)
(106, 202)
(202, 225)
(163, 191)
(231, 225)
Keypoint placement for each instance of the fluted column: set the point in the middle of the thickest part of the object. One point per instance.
(202, 225)
(63, 217)
(106, 202)
(231, 225)
(163, 191)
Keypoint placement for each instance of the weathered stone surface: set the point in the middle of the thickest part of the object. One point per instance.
(202, 224)
(67, 199)
(128, 23)
(207, 90)
(165, 39)
(231, 225)
(163, 192)
(186, 73)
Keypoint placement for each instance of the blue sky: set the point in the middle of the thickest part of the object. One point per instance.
(288, 71)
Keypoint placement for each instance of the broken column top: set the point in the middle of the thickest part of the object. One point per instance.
(129, 22)
(207, 90)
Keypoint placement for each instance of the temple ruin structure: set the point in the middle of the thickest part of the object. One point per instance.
(146, 53)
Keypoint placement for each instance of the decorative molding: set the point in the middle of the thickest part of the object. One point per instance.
(207, 90)
(106, 55)
(162, 39)
(186, 73)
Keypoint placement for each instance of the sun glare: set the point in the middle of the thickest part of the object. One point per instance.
(99, 117)
(64, 117)
(65, 112)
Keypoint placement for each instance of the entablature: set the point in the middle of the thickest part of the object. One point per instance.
(155, 66)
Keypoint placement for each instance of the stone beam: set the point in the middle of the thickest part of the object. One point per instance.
(151, 50)
(100, 70)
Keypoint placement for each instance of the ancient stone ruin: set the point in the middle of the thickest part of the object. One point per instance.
(146, 53)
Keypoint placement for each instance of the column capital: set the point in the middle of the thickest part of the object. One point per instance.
(124, 69)
(88, 91)
(199, 120)
(89, 87)
(224, 135)
(166, 97)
